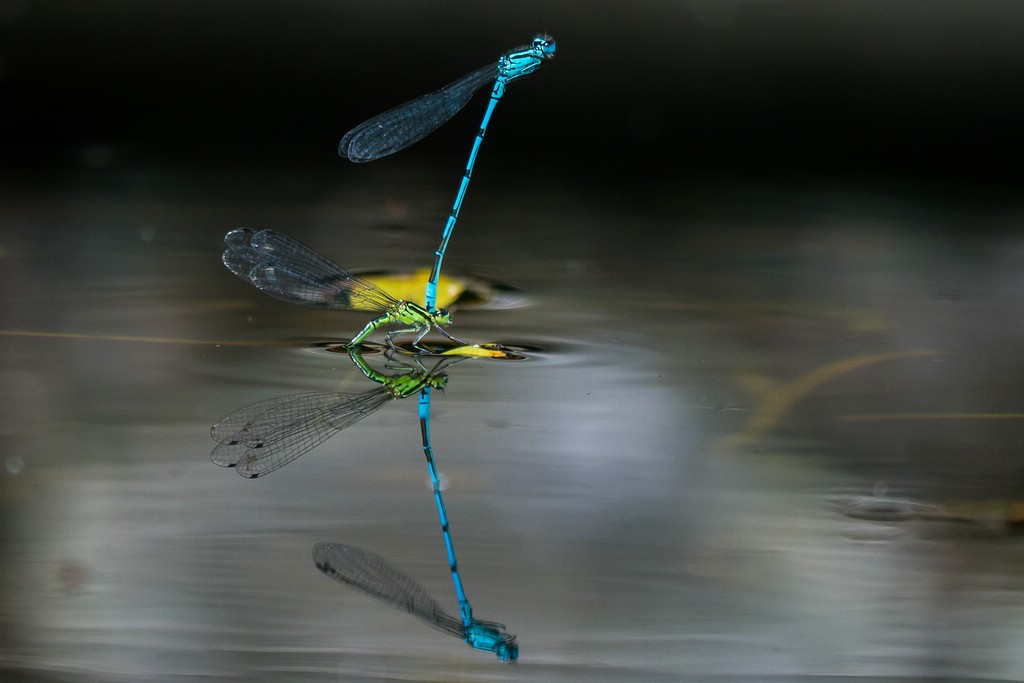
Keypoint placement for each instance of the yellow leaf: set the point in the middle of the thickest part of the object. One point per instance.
(479, 351)
(411, 286)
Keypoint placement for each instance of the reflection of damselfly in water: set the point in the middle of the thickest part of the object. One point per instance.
(268, 435)
(374, 576)
(290, 271)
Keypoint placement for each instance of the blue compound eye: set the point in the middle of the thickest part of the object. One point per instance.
(546, 44)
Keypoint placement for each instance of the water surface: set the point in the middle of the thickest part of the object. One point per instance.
(764, 433)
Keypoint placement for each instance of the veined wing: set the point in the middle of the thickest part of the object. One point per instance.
(374, 576)
(408, 123)
(268, 435)
(290, 271)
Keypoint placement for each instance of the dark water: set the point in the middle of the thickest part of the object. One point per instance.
(766, 434)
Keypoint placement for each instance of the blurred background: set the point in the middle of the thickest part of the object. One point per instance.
(764, 259)
(644, 92)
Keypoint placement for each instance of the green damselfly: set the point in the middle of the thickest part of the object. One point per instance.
(288, 270)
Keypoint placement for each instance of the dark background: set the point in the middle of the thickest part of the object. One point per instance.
(912, 93)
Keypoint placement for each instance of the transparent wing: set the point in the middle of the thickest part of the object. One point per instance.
(268, 435)
(290, 271)
(408, 123)
(374, 576)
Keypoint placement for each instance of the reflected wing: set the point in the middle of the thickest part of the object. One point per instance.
(268, 435)
(408, 123)
(290, 271)
(374, 576)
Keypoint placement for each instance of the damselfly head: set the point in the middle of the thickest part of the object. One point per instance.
(442, 316)
(546, 45)
(508, 651)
